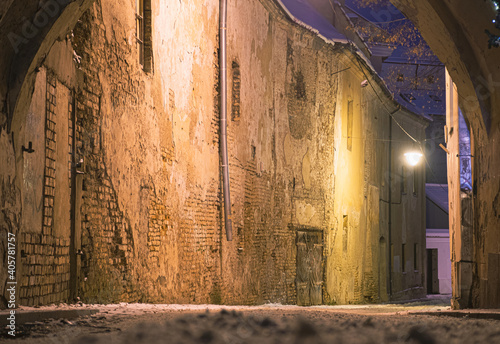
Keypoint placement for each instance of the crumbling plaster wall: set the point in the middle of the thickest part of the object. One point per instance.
(151, 207)
(153, 142)
(156, 149)
(353, 254)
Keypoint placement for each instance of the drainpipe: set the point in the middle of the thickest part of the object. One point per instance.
(223, 118)
(389, 224)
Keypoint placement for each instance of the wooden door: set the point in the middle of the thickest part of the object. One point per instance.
(432, 271)
(309, 268)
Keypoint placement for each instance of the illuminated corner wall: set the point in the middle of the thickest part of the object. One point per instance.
(365, 264)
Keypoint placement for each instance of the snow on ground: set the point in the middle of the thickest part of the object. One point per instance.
(143, 308)
(270, 323)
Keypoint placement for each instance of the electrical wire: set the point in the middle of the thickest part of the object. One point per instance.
(434, 138)
(432, 171)
(392, 115)
(392, 21)
(387, 140)
(370, 139)
(399, 125)
(383, 103)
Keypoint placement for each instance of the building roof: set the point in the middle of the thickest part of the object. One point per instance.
(301, 12)
(437, 233)
(304, 14)
(438, 194)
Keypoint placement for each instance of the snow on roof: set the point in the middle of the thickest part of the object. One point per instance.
(305, 15)
(301, 12)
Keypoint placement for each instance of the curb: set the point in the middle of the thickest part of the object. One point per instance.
(458, 314)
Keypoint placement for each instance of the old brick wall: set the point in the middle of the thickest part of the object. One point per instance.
(141, 241)
(43, 268)
(151, 224)
(46, 274)
(152, 209)
(45, 255)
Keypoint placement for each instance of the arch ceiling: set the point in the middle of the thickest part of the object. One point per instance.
(27, 31)
(454, 29)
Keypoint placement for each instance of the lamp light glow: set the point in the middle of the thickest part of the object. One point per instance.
(413, 158)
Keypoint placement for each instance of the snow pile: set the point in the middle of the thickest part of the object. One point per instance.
(305, 15)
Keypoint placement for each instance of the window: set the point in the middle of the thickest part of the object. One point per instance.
(403, 179)
(393, 259)
(415, 181)
(345, 223)
(403, 257)
(350, 114)
(235, 104)
(415, 257)
(144, 33)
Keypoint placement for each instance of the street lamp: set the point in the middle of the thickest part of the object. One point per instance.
(413, 158)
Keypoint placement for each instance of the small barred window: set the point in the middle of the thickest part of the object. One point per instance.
(144, 34)
(236, 101)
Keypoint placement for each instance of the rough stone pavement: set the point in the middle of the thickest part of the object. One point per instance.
(144, 323)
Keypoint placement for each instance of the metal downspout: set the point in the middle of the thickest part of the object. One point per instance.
(223, 118)
(390, 200)
(390, 208)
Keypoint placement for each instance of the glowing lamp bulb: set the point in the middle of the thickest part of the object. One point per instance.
(413, 158)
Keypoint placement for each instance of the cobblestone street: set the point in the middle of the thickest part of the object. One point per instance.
(417, 322)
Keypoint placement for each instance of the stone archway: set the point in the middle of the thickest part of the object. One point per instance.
(455, 32)
(28, 30)
(453, 28)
